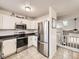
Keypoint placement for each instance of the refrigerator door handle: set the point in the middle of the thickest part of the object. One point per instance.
(43, 42)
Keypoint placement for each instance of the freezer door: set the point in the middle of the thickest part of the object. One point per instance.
(43, 48)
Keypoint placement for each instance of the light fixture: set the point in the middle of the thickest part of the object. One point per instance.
(65, 23)
(75, 29)
(28, 6)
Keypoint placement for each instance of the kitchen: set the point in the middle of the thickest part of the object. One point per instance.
(19, 34)
(34, 29)
(15, 36)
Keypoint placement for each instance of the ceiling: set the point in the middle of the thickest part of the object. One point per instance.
(40, 7)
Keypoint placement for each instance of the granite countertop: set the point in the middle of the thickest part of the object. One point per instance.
(7, 34)
(15, 35)
(13, 32)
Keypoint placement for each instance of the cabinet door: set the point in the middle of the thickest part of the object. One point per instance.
(8, 22)
(9, 47)
(1, 21)
(18, 21)
(12, 23)
(30, 41)
(24, 21)
(35, 39)
(34, 25)
(29, 24)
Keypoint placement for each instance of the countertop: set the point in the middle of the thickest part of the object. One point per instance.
(13, 32)
(7, 34)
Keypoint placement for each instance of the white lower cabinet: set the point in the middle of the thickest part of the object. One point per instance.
(9, 47)
(30, 41)
(35, 40)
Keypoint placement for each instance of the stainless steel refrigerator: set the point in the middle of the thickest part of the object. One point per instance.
(43, 38)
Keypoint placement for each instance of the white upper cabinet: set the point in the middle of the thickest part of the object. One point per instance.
(31, 24)
(17, 20)
(8, 22)
(1, 21)
(28, 25)
(34, 25)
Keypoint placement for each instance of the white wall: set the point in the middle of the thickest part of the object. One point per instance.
(43, 18)
(52, 41)
(52, 33)
(71, 24)
(8, 13)
(4, 12)
(52, 13)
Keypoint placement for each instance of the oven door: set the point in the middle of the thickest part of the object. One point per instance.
(22, 43)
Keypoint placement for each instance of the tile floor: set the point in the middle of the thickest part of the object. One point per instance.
(32, 53)
(63, 53)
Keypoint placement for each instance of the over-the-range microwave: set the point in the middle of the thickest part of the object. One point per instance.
(21, 26)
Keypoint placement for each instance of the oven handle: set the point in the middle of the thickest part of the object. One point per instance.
(21, 37)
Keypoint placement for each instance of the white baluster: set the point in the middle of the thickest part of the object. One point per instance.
(70, 41)
(76, 42)
(73, 41)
